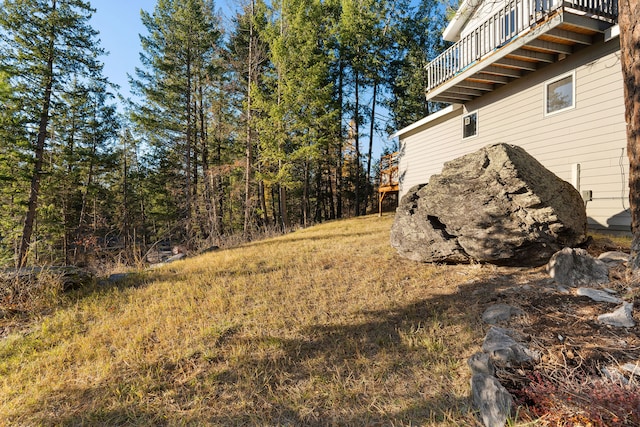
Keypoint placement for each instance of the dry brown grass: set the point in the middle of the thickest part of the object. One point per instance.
(324, 326)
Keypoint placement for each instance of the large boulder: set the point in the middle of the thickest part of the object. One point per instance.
(497, 205)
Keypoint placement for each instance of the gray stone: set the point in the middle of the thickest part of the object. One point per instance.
(118, 277)
(480, 363)
(612, 373)
(213, 248)
(420, 237)
(575, 267)
(622, 317)
(598, 295)
(614, 258)
(491, 399)
(176, 257)
(497, 205)
(500, 313)
(70, 277)
(502, 347)
(632, 368)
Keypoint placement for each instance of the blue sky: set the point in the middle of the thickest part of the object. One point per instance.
(118, 22)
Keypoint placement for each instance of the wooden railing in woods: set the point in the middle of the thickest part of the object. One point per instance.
(504, 25)
(389, 177)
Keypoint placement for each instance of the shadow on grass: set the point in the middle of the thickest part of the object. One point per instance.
(400, 366)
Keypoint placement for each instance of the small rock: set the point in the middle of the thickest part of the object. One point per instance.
(118, 277)
(632, 368)
(180, 249)
(176, 257)
(480, 363)
(598, 295)
(492, 400)
(612, 373)
(614, 258)
(575, 267)
(502, 347)
(622, 317)
(500, 313)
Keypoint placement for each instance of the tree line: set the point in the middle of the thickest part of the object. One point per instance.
(263, 123)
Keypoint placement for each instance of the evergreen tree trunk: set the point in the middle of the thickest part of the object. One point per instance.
(204, 152)
(249, 146)
(339, 158)
(274, 208)
(67, 192)
(32, 204)
(263, 204)
(89, 181)
(306, 209)
(213, 177)
(356, 142)
(629, 20)
(370, 153)
(125, 199)
(331, 214)
(284, 215)
(188, 149)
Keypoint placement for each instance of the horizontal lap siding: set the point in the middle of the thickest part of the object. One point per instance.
(592, 134)
(423, 154)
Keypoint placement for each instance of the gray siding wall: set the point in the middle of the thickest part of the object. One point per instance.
(591, 135)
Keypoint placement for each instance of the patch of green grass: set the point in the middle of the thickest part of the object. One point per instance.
(621, 240)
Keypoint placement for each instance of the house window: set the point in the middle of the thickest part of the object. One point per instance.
(470, 125)
(559, 94)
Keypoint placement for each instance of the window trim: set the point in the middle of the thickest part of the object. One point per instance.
(573, 93)
(477, 124)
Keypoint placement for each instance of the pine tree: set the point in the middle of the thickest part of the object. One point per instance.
(85, 129)
(418, 33)
(362, 23)
(44, 42)
(13, 177)
(177, 53)
(295, 104)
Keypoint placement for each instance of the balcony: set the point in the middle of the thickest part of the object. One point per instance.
(516, 40)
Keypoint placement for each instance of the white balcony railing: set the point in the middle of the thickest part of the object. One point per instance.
(504, 25)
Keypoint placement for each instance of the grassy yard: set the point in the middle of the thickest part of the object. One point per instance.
(324, 326)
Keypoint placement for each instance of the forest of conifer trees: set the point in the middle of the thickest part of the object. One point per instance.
(261, 126)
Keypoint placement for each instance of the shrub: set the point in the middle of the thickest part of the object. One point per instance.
(588, 402)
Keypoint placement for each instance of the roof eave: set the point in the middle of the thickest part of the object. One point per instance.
(464, 12)
(431, 117)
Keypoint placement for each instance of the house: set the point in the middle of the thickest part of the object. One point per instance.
(541, 74)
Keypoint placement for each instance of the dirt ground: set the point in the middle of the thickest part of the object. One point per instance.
(567, 386)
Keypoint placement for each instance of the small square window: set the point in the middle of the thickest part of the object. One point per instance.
(470, 125)
(560, 94)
